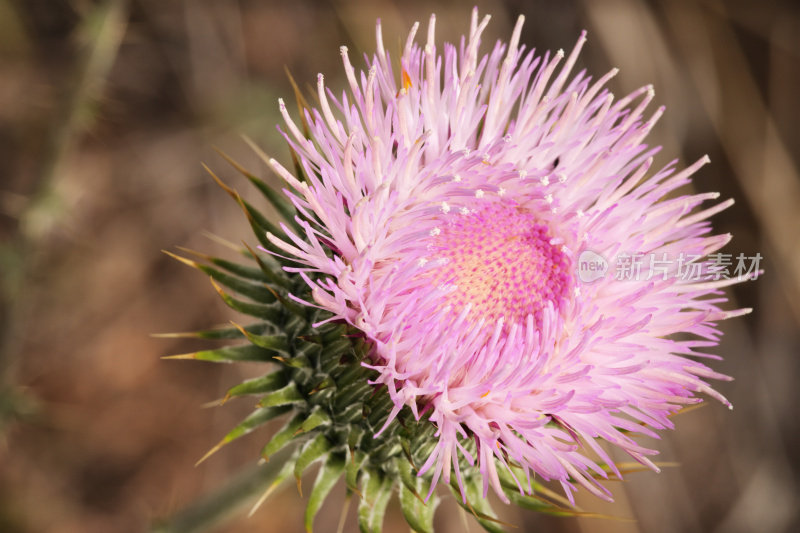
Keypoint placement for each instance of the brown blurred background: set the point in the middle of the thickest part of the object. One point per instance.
(108, 108)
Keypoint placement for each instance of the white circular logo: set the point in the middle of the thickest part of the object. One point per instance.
(591, 266)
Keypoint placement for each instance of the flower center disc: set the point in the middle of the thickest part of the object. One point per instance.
(500, 260)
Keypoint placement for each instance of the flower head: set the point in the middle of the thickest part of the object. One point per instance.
(445, 208)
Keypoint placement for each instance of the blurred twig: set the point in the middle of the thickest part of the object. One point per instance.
(100, 33)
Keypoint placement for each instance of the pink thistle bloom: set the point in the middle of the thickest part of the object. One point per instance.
(445, 212)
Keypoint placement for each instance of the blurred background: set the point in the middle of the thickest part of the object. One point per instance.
(107, 110)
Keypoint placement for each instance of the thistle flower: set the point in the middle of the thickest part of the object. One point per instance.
(443, 212)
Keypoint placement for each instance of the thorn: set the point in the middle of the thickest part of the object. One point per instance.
(222, 184)
(275, 294)
(263, 498)
(302, 104)
(239, 327)
(259, 152)
(410, 459)
(192, 355)
(180, 335)
(194, 253)
(211, 452)
(243, 171)
(219, 240)
(417, 496)
(224, 297)
(254, 254)
(183, 260)
(247, 214)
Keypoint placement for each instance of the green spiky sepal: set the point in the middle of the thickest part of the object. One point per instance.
(317, 383)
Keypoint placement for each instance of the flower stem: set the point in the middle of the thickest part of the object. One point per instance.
(224, 503)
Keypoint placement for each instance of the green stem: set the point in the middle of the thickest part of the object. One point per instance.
(226, 502)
